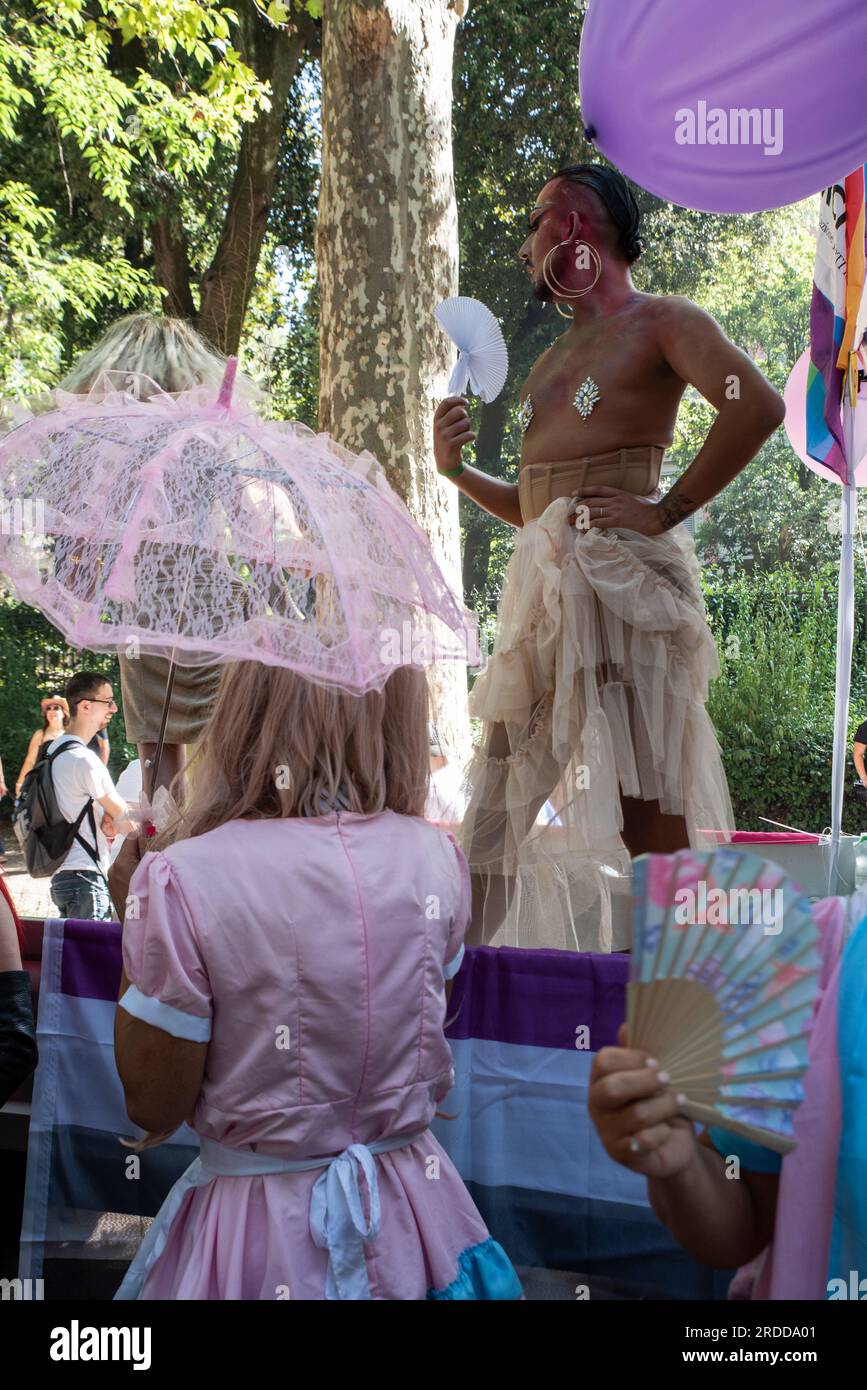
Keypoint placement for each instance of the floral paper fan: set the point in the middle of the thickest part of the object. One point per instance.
(483, 360)
(723, 978)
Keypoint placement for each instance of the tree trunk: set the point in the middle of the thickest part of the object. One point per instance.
(387, 251)
(477, 552)
(172, 264)
(274, 55)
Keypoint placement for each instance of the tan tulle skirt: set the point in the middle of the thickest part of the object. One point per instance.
(143, 683)
(596, 687)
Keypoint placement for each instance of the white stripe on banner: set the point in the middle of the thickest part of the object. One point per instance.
(522, 1121)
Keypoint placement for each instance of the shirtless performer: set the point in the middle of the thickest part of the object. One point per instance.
(593, 699)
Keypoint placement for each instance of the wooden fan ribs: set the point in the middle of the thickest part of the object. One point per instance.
(710, 998)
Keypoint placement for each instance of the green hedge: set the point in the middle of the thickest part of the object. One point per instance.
(773, 705)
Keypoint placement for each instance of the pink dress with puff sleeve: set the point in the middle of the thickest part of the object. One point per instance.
(311, 956)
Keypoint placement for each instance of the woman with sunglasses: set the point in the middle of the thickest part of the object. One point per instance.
(55, 713)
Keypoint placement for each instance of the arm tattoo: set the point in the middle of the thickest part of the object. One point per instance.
(674, 507)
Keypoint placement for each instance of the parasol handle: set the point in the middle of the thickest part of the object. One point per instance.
(161, 737)
(228, 382)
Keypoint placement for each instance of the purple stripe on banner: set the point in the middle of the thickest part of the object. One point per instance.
(92, 960)
(538, 998)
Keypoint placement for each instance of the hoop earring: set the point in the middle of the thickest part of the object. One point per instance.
(556, 288)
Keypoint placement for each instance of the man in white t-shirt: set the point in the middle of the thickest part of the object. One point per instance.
(80, 888)
(129, 788)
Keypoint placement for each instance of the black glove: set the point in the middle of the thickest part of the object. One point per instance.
(18, 1055)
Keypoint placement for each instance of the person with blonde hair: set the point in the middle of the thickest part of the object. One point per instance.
(140, 352)
(169, 351)
(287, 949)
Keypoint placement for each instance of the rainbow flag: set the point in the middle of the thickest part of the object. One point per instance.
(838, 318)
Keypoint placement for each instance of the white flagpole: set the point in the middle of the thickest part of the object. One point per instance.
(845, 629)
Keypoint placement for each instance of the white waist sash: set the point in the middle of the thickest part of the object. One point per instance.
(337, 1221)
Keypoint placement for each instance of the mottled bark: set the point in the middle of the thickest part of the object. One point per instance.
(386, 254)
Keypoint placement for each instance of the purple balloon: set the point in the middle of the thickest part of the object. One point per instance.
(727, 105)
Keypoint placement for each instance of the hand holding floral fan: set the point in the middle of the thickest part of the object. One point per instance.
(724, 976)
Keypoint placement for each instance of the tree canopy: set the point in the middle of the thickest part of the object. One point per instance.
(141, 141)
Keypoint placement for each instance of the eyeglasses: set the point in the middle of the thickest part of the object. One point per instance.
(93, 700)
(49, 709)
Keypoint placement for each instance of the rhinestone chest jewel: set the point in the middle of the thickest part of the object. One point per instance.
(586, 397)
(526, 413)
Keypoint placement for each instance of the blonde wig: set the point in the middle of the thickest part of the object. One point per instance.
(279, 745)
(167, 350)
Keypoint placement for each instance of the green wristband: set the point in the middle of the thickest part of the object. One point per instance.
(455, 472)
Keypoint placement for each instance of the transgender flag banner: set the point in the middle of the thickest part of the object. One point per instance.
(838, 318)
(88, 1200)
(525, 1026)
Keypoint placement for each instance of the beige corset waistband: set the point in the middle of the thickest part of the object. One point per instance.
(634, 470)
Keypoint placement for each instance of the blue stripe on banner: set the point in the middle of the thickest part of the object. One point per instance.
(91, 1175)
(38, 1180)
(522, 1121)
(87, 1020)
(81, 1037)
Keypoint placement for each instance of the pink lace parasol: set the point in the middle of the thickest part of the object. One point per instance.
(191, 528)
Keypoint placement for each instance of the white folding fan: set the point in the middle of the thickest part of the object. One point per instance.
(483, 360)
(723, 978)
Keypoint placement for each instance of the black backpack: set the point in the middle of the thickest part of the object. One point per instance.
(46, 838)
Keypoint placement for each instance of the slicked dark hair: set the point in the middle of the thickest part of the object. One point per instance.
(83, 686)
(618, 199)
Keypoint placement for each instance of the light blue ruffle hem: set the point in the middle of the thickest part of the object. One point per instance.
(484, 1272)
